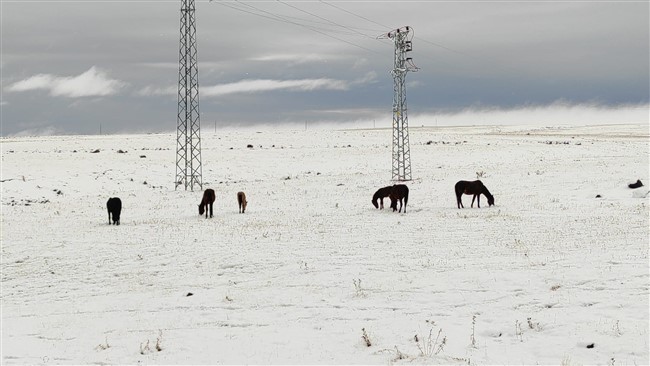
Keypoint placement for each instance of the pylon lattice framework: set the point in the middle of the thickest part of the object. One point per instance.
(188, 136)
(402, 65)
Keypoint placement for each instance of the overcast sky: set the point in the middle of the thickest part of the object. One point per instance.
(71, 66)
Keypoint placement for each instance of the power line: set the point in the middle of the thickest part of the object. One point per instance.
(284, 19)
(388, 27)
(446, 48)
(325, 19)
(253, 10)
(356, 15)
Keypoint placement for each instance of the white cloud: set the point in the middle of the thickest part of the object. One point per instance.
(150, 91)
(91, 83)
(295, 58)
(369, 78)
(360, 62)
(261, 85)
(264, 85)
(414, 84)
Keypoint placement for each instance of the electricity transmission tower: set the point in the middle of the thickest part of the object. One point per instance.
(188, 136)
(402, 38)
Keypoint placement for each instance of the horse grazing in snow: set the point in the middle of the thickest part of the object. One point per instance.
(241, 200)
(114, 207)
(475, 188)
(637, 184)
(208, 199)
(397, 193)
(380, 195)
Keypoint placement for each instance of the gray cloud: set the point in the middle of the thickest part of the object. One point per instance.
(296, 67)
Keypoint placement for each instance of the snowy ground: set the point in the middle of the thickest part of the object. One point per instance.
(550, 274)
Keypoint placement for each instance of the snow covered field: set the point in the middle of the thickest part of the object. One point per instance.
(312, 273)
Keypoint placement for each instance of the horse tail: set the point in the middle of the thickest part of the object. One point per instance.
(459, 188)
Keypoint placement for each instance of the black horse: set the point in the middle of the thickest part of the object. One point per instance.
(397, 193)
(380, 195)
(114, 207)
(637, 184)
(475, 188)
(208, 199)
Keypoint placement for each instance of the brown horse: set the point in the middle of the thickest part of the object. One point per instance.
(241, 199)
(475, 188)
(380, 195)
(208, 199)
(397, 193)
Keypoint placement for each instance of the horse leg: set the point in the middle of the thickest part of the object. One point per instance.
(109, 217)
(381, 203)
(210, 210)
(473, 198)
(478, 200)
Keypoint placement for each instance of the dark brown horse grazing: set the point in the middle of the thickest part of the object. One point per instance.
(397, 193)
(637, 184)
(475, 188)
(241, 199)
(380, 195)
(208, 199)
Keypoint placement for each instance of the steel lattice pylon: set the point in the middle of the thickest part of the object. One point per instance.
(188, 137)
(402, 65)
